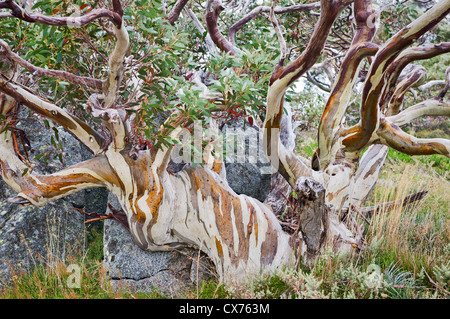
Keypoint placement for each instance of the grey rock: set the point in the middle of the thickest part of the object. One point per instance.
(30, 236)
(247, 168)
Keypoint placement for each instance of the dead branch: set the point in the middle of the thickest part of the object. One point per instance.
(276, 26)
(367, 212)
(114, 214)
(446, 86)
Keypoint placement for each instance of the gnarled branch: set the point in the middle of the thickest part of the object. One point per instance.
(357, 137)
(213, 9)
(19, 13)
(361, 47)
(41, 189)
(41, 72)
(409, 55)
(114, 120)
(266, 9)
(287, 163)
(116, 59)
(414, 78)
(80, 130)
(391, 135)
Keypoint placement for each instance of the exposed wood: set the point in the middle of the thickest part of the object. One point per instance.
(366, 177)
(312, 213)
(361, 47)
(358, 136)
(115, 65)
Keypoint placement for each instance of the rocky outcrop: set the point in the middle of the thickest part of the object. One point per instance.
(247, 168)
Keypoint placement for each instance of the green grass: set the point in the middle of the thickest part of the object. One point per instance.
(439, 163)
(54, 282)
(95, 242)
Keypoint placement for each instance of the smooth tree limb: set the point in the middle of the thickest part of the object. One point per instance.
(391, 135)
(432, 107)
(176, 11)
(362, 46)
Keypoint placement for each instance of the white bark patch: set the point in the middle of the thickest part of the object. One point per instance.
(339, 185)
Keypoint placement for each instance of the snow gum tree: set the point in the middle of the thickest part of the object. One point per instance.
(134, 80)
